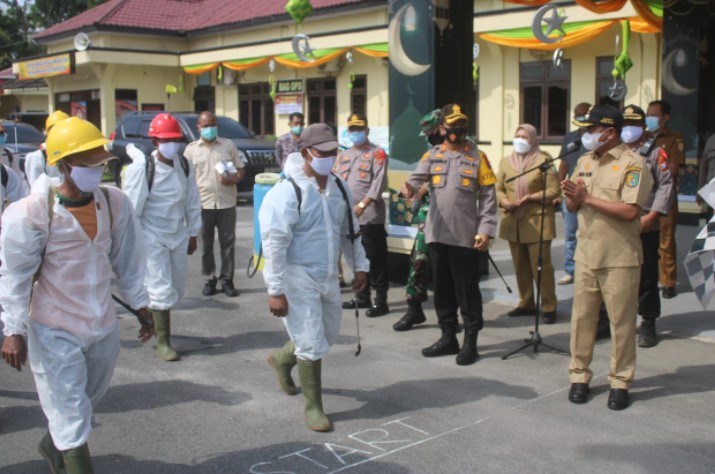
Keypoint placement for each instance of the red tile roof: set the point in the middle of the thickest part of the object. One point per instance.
(179, 15)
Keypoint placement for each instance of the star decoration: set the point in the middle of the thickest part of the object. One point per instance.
(555, 23)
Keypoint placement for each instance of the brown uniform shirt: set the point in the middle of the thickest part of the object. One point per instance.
(205, 157)
(620, 175)
(364, 168)
(462, 195)
(673, 146)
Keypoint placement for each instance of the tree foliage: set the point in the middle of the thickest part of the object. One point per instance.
(20, 19)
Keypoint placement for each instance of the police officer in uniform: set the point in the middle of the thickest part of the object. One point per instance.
(657, 205)
(461, 220)
(657, 117)
(364, 167)
(609, 187)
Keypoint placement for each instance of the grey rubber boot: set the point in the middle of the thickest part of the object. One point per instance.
(162, 329)
(310, 381)
(283, 360)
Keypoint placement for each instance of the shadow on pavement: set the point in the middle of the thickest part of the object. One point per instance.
(389, 401)
(273, 458)
(647, 457)
(151, 395)
(688, 379)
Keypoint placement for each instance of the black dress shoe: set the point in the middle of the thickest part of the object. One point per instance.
(578, 393)
(618, 399)
(228, 289)
(549, 317)
(362, 303)
(209, 288)
(647, 336)
(445, 346)
(380, 308)
(668, 292)
(521, 312)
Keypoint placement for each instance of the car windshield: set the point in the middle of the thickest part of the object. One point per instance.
(25, 134)
(227, 128)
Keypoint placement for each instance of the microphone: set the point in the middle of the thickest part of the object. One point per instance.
(574, 145)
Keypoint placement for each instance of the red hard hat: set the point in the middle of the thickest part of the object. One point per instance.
(164, 126)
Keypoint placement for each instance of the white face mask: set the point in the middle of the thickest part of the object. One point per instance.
(87, 178)
(631, 133)
(590, 141)
(323, 166)
(169, 149)
(521, 145)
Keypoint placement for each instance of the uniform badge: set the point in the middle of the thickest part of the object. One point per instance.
(616, 168)
(485, 177)
(633, 176)
(436, 180)
(681, 146)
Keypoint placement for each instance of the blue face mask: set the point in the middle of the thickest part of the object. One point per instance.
(3, 138)
(209, 133)
(296, 130)
(651, 124)
(358, 138)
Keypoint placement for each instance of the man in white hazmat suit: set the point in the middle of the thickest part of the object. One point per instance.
(73, 237)
(36, 162)
(163, 191)
(304, 225)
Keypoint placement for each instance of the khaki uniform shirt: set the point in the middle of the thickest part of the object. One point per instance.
(526, 228)
(620, 175)
(364, 168)
(462, 196)
(214, 195)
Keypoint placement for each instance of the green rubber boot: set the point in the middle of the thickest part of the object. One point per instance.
(162, 329)
(283, 360)
(49, 451)
(315, 418)
(78, 460)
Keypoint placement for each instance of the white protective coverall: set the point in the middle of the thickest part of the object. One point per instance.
(36, 164)
(14, 191)
(169, 215)
(72, 331)
(301, 253)
(13, 162)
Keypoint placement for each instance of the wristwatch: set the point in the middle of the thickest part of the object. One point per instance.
(361, 205)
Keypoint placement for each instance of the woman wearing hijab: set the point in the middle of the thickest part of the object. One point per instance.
(520, 202)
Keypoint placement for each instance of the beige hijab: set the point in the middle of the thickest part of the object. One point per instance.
(523, 163)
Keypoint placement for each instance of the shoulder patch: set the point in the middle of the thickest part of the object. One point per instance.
(681, 145)
(380, 156)
(486, 175)
(633, 176)
(425, 156)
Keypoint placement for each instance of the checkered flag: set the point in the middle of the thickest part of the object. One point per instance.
(699, 264)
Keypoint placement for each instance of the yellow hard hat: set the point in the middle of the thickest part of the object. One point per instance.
(53, 118)
(71, 136)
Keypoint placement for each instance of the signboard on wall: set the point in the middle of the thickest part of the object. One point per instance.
(49, 66)
(289, 103)
(294, 86)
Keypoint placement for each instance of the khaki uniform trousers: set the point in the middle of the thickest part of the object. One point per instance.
(667, 251)
(618, 289)
(525, 258)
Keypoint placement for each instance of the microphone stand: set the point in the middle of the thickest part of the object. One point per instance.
(535, 340)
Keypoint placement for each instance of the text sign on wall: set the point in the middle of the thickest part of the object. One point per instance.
(49, 66)
(288, 104)
(294, 86)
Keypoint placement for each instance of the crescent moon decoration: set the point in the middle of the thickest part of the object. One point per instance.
(555, 23)
(398, 57)
(669, 80)
(618, 90)
(558, 58)
(301, 48)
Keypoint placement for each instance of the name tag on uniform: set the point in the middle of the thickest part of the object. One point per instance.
(586, 174)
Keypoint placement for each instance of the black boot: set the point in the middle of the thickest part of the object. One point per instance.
(647, 336)
(413, 316)
(468, 355)
(380, 307)
(446, 345)
(363, 301)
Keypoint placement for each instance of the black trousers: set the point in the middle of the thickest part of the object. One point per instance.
(455, 277)
(648, 296)
(374, 240)
(225, 221)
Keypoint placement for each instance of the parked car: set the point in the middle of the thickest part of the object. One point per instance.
(36, 119)
(22, 138)
(258, 155)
